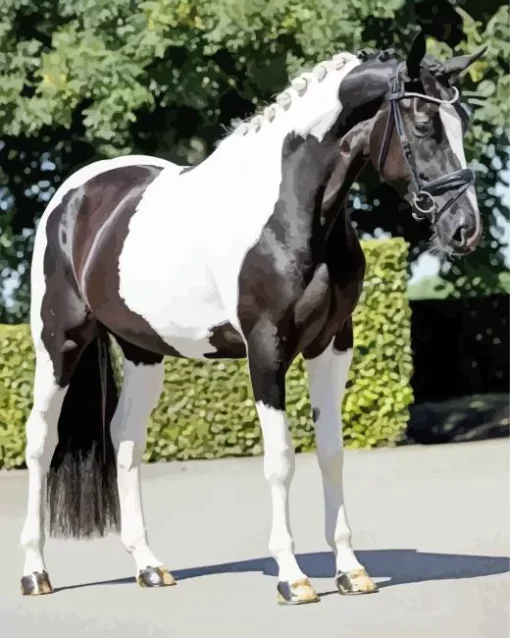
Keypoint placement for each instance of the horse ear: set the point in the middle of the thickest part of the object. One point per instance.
(452, 68)
(416, 55)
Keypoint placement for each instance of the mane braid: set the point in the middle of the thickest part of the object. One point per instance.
(283, 101)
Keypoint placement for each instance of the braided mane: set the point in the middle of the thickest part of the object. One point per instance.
(297, 88)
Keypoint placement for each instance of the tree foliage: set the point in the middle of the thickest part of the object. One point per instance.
(100, 78)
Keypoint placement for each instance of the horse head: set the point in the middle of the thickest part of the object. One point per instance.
(414, 137)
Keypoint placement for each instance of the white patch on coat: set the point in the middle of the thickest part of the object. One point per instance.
(327, 377)
(452, 125)
(189, 237)
(324, 101)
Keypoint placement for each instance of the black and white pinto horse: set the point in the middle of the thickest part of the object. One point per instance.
(248, 254)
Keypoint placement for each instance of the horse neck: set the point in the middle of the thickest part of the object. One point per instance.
(344, 174)
(276, 155)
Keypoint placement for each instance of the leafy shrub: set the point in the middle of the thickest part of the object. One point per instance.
(207, 409)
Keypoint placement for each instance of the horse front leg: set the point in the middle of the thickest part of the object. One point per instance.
(327, 376)
(267, 368)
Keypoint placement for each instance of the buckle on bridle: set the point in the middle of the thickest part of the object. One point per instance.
(424, 205)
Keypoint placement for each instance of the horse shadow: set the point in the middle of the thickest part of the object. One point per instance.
(397, 566)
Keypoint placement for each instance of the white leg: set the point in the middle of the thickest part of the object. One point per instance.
(42, 438)
(139, 395)
(327, 376)
(268, 365)
(279, 467)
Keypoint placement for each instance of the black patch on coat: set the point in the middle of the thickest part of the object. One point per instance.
(69, 312)
(67, 325)
(344, 338)
(295, 241)
(362, 91)
(228, 343)
(278, 269)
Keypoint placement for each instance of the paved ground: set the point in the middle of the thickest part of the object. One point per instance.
(432, 525)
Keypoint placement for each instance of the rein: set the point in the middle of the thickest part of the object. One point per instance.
(423, 193)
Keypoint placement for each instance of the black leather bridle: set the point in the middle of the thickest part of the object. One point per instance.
(422, 193)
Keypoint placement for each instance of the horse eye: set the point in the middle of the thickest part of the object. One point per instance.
(421, 119)
(422, 127)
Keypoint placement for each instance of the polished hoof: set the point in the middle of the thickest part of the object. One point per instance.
(36, 584)
(299, 593)
(155, 577)
(355, 582)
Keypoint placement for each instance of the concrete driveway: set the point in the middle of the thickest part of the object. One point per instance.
(432, 525)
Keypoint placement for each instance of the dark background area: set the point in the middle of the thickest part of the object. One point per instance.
(460, 347)
(461, 361)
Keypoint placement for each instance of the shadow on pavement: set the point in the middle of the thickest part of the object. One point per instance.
(400, 566)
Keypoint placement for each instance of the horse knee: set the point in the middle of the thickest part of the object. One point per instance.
(41, 442)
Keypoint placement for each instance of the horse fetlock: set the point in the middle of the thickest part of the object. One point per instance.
(279, 467)
(340, 540)
(331, 465)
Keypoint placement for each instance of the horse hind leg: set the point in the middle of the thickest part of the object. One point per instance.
(41, 441)
(69, 456)
(53, 370)
(140, 392)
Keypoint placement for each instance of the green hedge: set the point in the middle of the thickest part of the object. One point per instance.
(207, 410)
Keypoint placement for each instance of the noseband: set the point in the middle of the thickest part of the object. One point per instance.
(422, 193)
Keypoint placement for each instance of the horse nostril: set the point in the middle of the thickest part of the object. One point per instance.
(459, 235)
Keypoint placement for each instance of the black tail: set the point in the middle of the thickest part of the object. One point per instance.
(81, 487)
